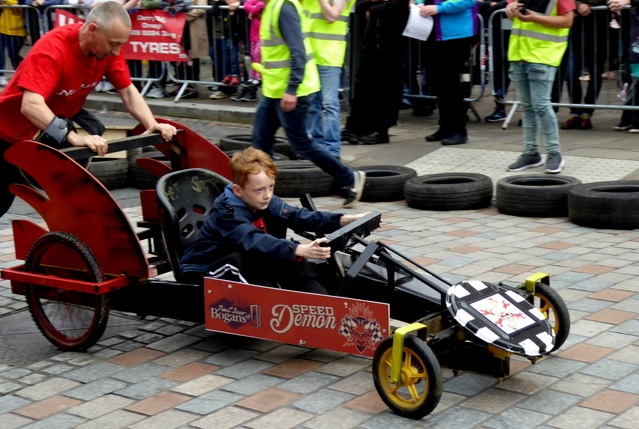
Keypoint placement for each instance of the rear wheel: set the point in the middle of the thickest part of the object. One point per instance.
(70, 320)
(420, 386)
(551, 305)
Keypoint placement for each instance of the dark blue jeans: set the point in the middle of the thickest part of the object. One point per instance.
(269, 117)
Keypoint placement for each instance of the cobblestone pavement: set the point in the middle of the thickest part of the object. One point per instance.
(161, 373)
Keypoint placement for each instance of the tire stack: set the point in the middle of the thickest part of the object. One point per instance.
(538, 195)
(449, 191)
(110, 171)
(609, 204)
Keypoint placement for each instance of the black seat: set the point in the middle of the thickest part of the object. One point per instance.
(185, 201)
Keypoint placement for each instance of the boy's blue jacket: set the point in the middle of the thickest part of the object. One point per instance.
(230, 228)
(456, 19)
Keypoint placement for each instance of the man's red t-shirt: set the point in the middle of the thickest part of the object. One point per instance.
(57, 69)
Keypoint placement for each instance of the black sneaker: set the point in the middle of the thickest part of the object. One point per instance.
(526, 161)
(354, 194)
(457, 138)
(436, 136)
(496, 116)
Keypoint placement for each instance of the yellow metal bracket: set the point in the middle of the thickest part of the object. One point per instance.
(398, 349)
(531, 281)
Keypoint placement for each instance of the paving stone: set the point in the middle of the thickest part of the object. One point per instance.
(628, 384)
(47, 388)
(527, 383)
(158, 403)
(390, 420)
(230, 357)
(41, 409)
(458, 418)
(140, 372)
(581, 384)
(146, 388)
(585, 352)
(174, 342)
(95, 389)
(322, 401)
(611, 401)
(582, 418)
(356, 384)
(230, 417)
(292, 368)
(557, 367)
(516, 417)
(12, 421)
(9, 387)
(33, 379)
(136, 357)
(283, 418)
(244, 369)
(58, 421)
(252, 384)
(469, 384)
(209, 402)
(181, 357)
(100, 406)
(337, 418)
(493, 400)
(370, 403)
(11, 402)
(189, 372)
(627, 420)
(93, 372)
(117, 419)
(308, 382)
(267, 400)
(282, 353)
(167, 420)
(610, 369)
(201, 385)
(345, 366)
(58, 369)
(549, 401)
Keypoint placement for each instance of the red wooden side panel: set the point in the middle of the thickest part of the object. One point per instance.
(194, 151)
(74, 201)
(153, 166)
(329, 322)
(25, 233)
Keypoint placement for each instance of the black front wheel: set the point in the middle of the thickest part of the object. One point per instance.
(419, 389)
(553, 307)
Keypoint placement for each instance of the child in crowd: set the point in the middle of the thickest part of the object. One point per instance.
(12, 35)
(247, 229)
(248, 91)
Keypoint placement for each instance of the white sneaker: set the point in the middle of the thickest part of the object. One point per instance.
(155, 92)
(218, 95)
(354, 194)
(3, 81)
(99, 87)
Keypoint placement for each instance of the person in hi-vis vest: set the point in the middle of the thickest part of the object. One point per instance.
(290, 80)
(537, 44)
(327, 23)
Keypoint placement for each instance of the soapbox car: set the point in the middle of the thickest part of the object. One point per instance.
(90, 259)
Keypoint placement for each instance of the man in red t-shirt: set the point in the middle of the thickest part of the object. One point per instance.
(56, 77)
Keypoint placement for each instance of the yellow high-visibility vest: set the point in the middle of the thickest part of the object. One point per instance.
(538, 44)
(276, 55)
(328, 40)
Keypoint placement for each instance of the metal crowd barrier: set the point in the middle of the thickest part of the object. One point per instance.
(592, 50)
(20, 46)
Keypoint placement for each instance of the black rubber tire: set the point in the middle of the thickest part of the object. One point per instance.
(539, 195)
(70, 320)
(276, 155)
(140, 178)
(449, 191)
(421, 374)
(385, 182)
(296, 178)
(551, 305)
(112, 172)
(242, 141)
(609, 204)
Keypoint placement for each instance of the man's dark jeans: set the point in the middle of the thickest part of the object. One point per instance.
(269, 117)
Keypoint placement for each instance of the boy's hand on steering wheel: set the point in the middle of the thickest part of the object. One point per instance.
(313, 250)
